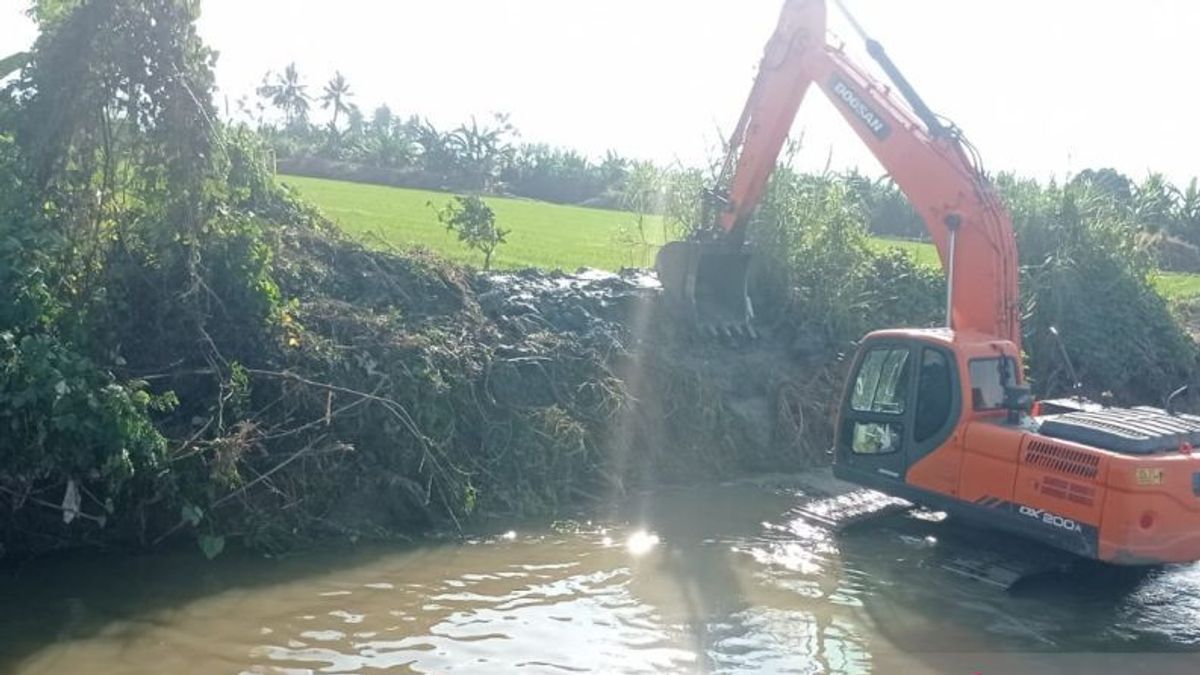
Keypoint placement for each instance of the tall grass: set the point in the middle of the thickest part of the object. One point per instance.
(1082, 272)
(820, 264)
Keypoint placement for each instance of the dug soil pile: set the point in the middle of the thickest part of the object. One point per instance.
(431, 393)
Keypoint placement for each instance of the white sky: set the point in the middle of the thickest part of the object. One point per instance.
(1045, 87)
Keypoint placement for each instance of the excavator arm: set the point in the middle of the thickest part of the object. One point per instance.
(929, 161)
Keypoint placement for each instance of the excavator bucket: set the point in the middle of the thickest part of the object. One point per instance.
(705, 283)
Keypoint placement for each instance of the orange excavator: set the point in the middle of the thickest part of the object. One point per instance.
(943, 417)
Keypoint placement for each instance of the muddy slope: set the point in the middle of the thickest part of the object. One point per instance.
(401, 394)
(529, 392)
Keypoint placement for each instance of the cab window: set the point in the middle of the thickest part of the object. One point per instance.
(989, 377)
(882, 382)
(933, 395)
(875, 438)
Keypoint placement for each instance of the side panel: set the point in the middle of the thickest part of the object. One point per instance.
(996, 488)
(1017, 474)
(1061, 479)
(989, 462)
(1000, 514)
(972, 464)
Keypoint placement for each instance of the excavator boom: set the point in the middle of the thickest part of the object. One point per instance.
(932, 166)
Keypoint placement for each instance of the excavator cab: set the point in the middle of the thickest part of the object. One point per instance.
(902, 402)
(706, 283)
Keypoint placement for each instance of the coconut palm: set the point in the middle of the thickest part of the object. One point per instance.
(382, 119)
(287, 93)
(1189, 206)
(613, 169)
(336, 95)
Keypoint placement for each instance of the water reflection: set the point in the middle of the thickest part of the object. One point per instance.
(720, 579)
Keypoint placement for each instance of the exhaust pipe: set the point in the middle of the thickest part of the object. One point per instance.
(953, 222)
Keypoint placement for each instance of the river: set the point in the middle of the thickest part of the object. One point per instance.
(722, 578)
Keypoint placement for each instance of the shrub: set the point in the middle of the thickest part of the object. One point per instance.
(817, 265)
(475, 223)
(1084, 273)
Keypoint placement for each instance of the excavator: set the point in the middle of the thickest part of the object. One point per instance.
(944, 417)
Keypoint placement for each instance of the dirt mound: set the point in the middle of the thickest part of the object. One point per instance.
(396, 393)
(520, 393)
(695, 408)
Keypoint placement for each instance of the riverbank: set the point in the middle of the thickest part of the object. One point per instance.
(403, 393)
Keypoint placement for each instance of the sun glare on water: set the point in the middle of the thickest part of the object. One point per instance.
(641, 542)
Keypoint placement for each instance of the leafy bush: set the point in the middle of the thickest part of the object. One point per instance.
(887, 211)
(818, 266)
(131, 242)
(475, 223)
(1085, 274)
(63, 416)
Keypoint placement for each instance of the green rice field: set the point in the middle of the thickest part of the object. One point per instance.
(543, 235)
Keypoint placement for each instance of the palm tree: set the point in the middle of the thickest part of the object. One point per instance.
(287, 93)
(481, 152)
(438, 153)
(336, 95)
(613, 169)
(1189, 212)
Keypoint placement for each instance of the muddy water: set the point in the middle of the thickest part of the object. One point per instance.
(714, 579)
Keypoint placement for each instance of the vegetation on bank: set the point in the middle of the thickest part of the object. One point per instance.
(189, 351)
(1083, 270)
(1077, 244)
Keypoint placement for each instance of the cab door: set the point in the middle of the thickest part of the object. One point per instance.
(876, 415)
(901, 405)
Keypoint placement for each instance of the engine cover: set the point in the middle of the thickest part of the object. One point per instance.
(1132, 431)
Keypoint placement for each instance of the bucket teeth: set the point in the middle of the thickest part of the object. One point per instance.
(705, 283)
(732, 333)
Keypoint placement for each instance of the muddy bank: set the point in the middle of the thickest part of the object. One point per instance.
(531, 393)
(399, 394)
(693, 408)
